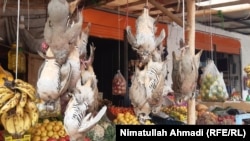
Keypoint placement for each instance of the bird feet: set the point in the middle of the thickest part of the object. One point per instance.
(89, 121)
(50, 106)
(142, 117)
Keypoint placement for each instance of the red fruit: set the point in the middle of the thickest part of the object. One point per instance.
(86, 139)
(52, 139)
(67, 138)
(62, 139)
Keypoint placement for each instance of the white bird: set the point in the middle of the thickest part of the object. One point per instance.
(145, 41)
(77, 119)
(76, 54)
(53, 79)
(146, 91)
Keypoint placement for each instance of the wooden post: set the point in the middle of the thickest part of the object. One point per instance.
(168, 13)
(190, 40)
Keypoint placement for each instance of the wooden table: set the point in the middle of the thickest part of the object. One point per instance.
(241, 105)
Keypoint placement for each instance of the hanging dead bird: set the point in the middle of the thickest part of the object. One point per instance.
(57, 34)
(76, 54)
(77, 118)
(145, 41)
(87, 73)
(53, 79)
(82, 111)
(185, 74)
(74, 8)
(146, 91)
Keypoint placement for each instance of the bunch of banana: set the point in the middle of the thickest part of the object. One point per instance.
(4, 74)
(17, 125)
(247, 70)
(18, 110)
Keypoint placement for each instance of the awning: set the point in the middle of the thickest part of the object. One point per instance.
(223, 44)
(112, 25)
(106, 25)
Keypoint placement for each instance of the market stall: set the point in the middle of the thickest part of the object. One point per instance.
(64, 103)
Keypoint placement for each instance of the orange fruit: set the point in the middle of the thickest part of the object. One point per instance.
(46, 120)
(61, 133)
(36, 138)
(44, 138)
(60, 123)
(49, 127)
(56, 128)
(43, 134)
(50, 133)
(38, 132)
(55, 136)
(42, 128)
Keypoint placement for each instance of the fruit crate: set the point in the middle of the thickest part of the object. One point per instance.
(26, 137)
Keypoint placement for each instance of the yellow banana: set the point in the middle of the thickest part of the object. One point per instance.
(248, 83)
(29, 92)
(11, 103)
(3, 119)
(19, 110)
(4, 89)
(30, 106)
(5, 96)
(34, 116)
(18, 123)
(23, 84)
(5, 74)
(10, 127)
(27, 121)
(23, 99)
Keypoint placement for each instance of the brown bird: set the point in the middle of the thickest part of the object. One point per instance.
(185, 74)
(58, 35)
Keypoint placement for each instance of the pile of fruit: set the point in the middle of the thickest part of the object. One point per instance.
(48, 130)
(210, 118)
(129, 119)
(247, 71)
(113, 111)
(206, 117)
(18, 109)
(213, 89)
(177, 112)
(126, 119)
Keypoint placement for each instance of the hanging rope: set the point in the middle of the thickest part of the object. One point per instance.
(183, 20)
(4, 5)
(126, 23)
(28, 5)
(17, 38)
(211, 34)
(119, 36)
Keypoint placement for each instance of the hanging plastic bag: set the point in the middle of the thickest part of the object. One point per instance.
(119, 84)
(213, 87)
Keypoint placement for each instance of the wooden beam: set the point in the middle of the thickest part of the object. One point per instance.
(168, 13)
(191, 42)
(225, 4)
(213, 12)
